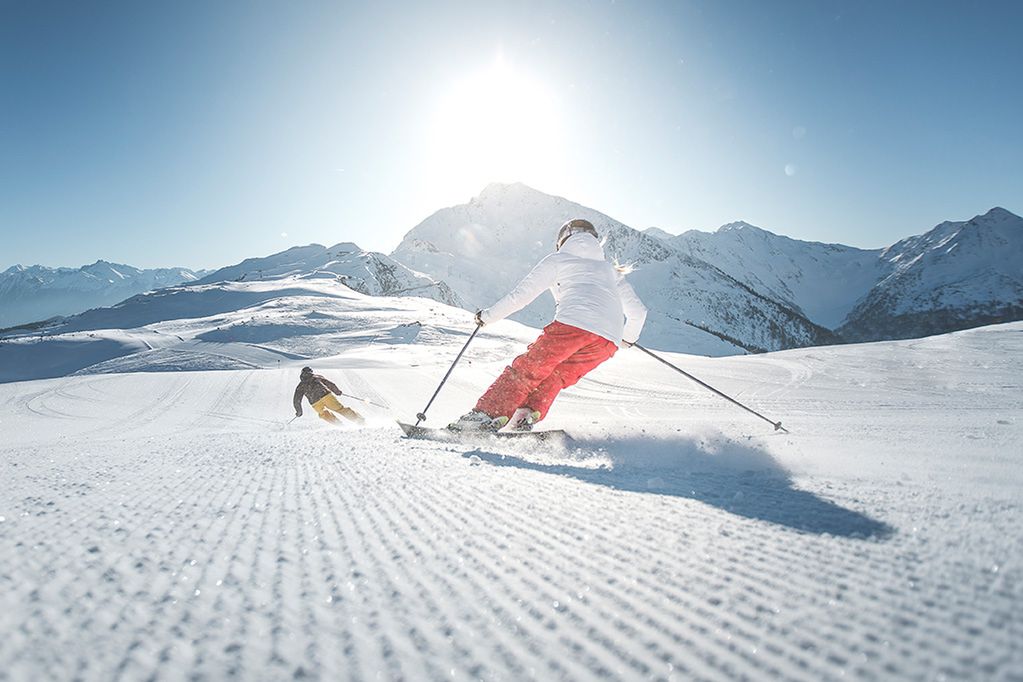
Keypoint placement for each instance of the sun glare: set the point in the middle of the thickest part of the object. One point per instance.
(496, 124)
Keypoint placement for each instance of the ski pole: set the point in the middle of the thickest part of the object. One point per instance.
(777, 425)
(365, 400)
(421, 417)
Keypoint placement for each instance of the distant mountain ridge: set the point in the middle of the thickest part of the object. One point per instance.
(367, 272)
(37, 292)
(957, 276)
(821, 281)
(735, 290)
(748, 288)
(482, 248)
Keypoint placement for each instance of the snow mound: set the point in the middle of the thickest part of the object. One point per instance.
(364, 271)
(229, 325)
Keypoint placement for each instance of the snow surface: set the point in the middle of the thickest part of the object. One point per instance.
(173, 525)
(227, 325)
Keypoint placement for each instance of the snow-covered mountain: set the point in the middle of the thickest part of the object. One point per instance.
(31, 294)
(364, 271)
(482, 248)
(738, 289)
(958, 275)
(744, 287)
(658, 233)
(822, 281)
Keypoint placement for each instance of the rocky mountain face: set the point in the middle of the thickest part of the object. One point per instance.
(364, 271)
(31, 294)
(481, 249)
(821, 281)
(958, 275)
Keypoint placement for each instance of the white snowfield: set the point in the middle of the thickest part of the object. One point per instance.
(172, 525)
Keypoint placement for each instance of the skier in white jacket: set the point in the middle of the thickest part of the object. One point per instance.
(597, 310)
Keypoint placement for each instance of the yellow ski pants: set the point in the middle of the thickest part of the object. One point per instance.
(328, 405)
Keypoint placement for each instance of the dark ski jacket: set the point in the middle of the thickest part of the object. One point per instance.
(313, 388)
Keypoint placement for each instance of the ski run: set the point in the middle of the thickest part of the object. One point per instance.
(161, 519)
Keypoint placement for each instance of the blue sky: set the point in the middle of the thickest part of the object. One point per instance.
(200, 133)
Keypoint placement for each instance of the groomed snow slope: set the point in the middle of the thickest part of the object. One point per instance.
(171, 525)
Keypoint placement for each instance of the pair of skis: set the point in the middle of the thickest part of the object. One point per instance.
(453, 436)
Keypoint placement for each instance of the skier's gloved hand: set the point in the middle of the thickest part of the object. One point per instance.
(298, 413)
(479, 318)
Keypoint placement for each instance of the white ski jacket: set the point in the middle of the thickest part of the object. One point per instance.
(589, 292)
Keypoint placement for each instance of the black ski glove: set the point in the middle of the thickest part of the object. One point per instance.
(298, 413)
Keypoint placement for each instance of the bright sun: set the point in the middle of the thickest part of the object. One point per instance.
(496, 125)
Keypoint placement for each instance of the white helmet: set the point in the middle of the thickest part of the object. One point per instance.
(573, 227)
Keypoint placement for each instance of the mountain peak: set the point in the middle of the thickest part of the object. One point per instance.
(502, 191)
(658, 233)
(504, 187)
(303, 247)
(743, 227)
(345, 247)
(108, 264)
(997, 215)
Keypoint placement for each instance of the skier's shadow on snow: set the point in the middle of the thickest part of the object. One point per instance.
(740, 479)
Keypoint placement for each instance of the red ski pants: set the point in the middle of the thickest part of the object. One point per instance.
(559, 357)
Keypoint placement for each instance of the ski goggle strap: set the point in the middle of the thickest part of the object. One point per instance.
(572, 227)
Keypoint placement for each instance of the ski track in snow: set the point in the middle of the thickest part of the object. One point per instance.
(170, 526)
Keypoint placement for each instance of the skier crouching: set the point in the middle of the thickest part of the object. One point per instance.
(597, 310)
(322, 395)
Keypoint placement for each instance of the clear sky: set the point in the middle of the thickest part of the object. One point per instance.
(199, 133)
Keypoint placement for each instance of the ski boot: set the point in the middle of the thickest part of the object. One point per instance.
(523, 419)
(476, 420)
